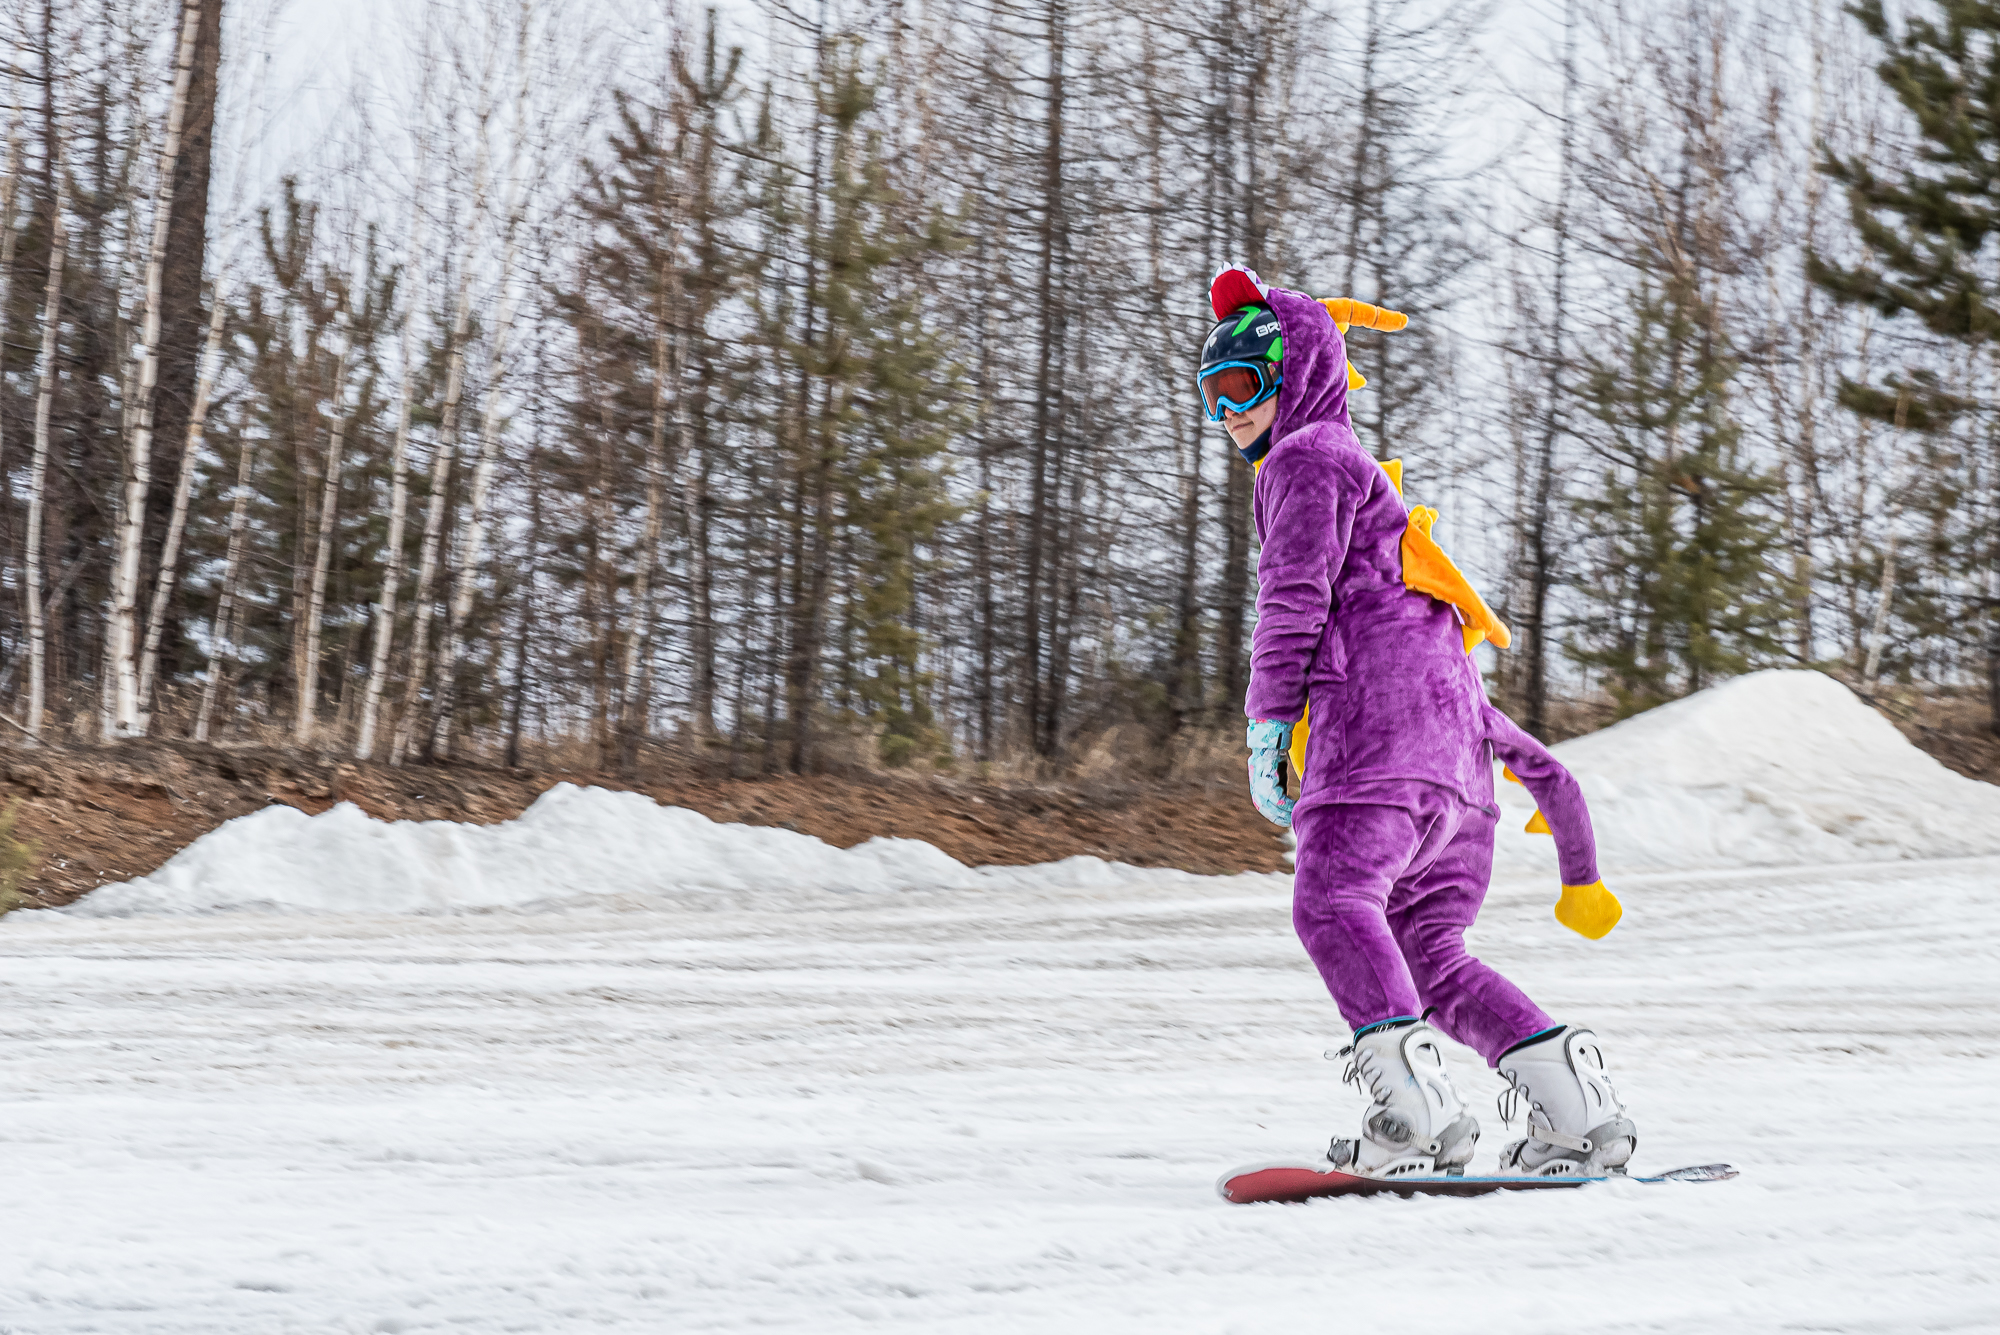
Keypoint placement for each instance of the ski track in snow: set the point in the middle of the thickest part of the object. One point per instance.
(997, 1109)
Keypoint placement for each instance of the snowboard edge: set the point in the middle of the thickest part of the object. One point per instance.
(1286, 1183)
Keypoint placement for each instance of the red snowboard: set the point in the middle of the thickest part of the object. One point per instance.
(1302, 1182)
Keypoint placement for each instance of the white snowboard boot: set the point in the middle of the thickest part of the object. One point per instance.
(1576, 1125)
(1415, 1122)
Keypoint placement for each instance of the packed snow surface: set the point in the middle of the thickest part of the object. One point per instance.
(777, 1087)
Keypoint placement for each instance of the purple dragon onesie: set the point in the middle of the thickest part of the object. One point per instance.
(1396, 814)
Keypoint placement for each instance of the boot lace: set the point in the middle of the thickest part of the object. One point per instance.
(1363, 1081)
(1513, 1098)
(1509, 1102)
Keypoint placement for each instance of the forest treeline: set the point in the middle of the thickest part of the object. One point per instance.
(820, 391)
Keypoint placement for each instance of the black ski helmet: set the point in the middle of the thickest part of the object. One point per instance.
(1248, 334)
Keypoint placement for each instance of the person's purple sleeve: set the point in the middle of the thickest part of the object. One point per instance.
(1555, 791)
(1305, 515)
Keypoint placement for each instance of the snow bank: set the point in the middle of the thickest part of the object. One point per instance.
(1769, 769)
(572, 843)
(1772, 769)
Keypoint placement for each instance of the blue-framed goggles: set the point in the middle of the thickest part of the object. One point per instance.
(1237, 385)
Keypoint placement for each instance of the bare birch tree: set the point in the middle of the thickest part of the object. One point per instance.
(447, 442)
(10, 237)
(126, 710)
(329, 507)
(163, 584)
(399, 479)
(472, 536)
(223, 629)
(38, 472)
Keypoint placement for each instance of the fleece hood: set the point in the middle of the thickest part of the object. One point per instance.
(1315, 366)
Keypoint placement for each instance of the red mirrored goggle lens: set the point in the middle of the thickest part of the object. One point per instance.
(1239, 384)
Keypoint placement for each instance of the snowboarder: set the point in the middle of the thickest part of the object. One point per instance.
(1362, 679)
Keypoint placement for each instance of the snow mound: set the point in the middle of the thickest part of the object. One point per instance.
(573, 843)
(1769, 769)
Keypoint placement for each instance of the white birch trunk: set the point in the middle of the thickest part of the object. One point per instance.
(701, 597)
(223, 628)
(472, 533)
(329, 509)
(126, 718)
(170, 554)
(8, 244)
(472, 543)
(129, 318)
(639, 642)
(399, 494)
(427, 560)
(107, 677)
(9, 241)
(45, 394)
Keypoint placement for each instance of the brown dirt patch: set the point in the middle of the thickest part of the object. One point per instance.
(1954, 729)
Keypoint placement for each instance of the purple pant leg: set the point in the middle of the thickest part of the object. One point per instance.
(1350, 857)
(1428, 914)
(1381, 900)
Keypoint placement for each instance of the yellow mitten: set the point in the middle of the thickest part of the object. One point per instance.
(1589, 910)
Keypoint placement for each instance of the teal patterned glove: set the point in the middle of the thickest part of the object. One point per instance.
(1270, 742)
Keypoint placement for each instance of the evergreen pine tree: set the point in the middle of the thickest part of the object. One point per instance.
(884, 414)
(1924, 226)
(1680, 590)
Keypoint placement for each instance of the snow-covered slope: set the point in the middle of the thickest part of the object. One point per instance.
(1770, 769)
(973, 1112)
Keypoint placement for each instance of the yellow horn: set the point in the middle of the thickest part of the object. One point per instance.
(1347, 311)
